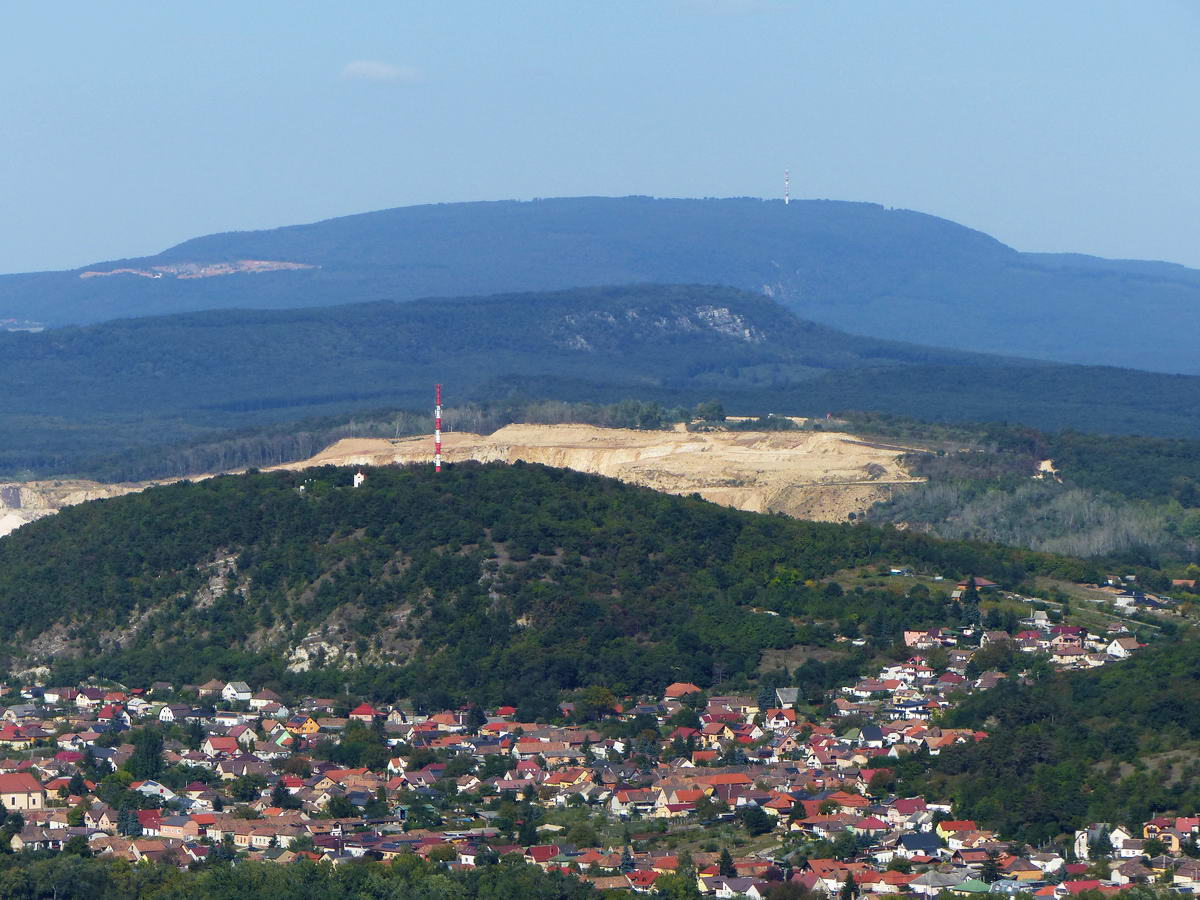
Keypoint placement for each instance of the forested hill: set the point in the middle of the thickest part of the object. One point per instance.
(857, 266)
(491, 582)
(1137, 498)
(71, 396)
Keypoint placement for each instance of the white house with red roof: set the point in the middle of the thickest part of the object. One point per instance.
(21, 791)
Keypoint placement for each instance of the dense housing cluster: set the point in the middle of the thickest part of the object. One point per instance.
(734, 795)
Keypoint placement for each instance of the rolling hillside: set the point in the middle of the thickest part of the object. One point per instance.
(855, 266)
(492, 581)
(72, 396)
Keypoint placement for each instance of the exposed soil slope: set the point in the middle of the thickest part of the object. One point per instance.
(811, 475)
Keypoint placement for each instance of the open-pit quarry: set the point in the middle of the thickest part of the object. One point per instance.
(821, 475)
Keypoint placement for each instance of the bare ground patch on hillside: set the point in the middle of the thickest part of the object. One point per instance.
(793, 657)
(820, 475)
(811, 475)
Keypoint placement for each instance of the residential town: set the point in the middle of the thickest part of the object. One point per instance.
(743, 793)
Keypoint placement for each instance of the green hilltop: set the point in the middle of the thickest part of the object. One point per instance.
(487, 582)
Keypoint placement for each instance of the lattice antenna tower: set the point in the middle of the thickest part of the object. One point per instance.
(437, 429)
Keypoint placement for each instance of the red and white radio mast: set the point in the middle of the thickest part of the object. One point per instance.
(437, 431)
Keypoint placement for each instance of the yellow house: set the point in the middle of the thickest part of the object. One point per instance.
(945, 829)
(303, 725)
(1169, 837)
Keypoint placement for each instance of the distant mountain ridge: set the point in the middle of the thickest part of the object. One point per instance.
(78, 392)
(859, 267)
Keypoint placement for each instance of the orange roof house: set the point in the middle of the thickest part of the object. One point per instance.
(20, 790)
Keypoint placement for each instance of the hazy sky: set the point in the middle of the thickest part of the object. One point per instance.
(1061, 125)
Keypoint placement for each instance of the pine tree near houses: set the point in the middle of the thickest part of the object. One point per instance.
(970, 593)
(627, 864)
(128, 823)
(527, 834)
(1101, 847)
(195, 734)
(766, 698)
(725, 864)
(990, 870)
(89, 762)
(476, 719)
(283, 798)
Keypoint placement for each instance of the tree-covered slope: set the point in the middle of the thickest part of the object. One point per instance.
(77, 393)
(1133, 498)
(492, 582)
(1117, 744)
(857, 266)
(66, 876)
(73, 395)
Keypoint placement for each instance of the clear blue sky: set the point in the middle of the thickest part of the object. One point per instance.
(1065, 125)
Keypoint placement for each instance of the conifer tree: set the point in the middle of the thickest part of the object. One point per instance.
(725, 864)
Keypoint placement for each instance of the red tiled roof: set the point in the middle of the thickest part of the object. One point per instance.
(19, 783)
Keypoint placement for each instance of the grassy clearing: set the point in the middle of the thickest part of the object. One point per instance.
(794, 657)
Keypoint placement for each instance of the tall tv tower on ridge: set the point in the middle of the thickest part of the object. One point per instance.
(787, 187)
(437, 429)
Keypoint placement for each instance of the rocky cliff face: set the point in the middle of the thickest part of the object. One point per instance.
(23, 502)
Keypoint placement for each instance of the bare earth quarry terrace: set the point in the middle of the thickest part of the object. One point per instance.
(818, 475)
(809, 474)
